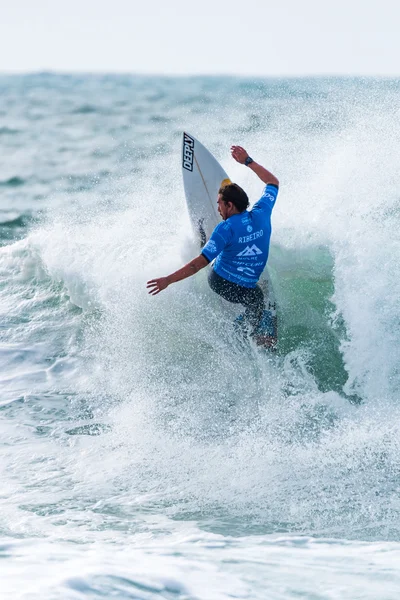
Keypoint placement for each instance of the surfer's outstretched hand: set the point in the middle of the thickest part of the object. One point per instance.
(155, 286)
(239, 154)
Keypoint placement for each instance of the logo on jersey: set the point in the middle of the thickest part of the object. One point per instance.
(187, 157)
(249, 228)
(250, 251)
(211, 246)
(269, 196)
(246, 271)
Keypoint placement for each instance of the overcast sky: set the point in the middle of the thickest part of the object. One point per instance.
(253, 37)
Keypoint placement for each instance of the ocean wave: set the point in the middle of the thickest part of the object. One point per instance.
(20, 221)
(128, 419)
(85, 109)
(8, 131)
(14, 181)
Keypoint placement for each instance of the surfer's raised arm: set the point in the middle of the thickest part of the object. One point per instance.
(242, 157)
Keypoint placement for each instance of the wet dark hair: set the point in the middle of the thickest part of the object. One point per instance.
(235, 194)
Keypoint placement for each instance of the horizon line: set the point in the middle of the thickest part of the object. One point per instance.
(200, 74)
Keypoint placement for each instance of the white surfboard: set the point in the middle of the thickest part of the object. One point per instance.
(202, 178)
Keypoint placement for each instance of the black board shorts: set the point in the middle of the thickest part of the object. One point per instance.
(251, 298)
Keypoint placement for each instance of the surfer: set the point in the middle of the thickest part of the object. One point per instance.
(240, 245)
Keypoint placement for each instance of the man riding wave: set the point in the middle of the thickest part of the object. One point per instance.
(239, 245)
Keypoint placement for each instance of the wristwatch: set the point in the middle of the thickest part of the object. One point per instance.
(248, 161)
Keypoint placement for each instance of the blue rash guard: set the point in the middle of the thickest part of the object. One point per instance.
(241, 243)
